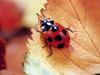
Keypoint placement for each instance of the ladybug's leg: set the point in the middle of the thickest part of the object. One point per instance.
(50, 52)
(70, 29)
(75, 32)
(37, 29)
(45, 44)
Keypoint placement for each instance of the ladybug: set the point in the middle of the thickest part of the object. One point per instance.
(54, 34)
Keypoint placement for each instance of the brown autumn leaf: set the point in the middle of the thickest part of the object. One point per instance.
(84, 58)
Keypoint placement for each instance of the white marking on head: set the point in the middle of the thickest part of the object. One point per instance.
(43, 27)
(44, 20)
(49, 23)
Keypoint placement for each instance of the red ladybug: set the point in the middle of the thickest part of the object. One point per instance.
(55, 34)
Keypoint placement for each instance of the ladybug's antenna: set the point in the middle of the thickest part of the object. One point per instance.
(41, 15)
(37, 14)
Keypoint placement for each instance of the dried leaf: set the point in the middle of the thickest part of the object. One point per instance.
(84, 58)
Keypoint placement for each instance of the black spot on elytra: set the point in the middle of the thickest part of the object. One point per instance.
(97, 74)
(64, 31)
(58, 38)
(49, 39)
(60, 45)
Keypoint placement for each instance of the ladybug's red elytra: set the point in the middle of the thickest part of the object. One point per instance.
(54, 34)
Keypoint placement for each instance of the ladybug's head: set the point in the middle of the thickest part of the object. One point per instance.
(48, 24)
